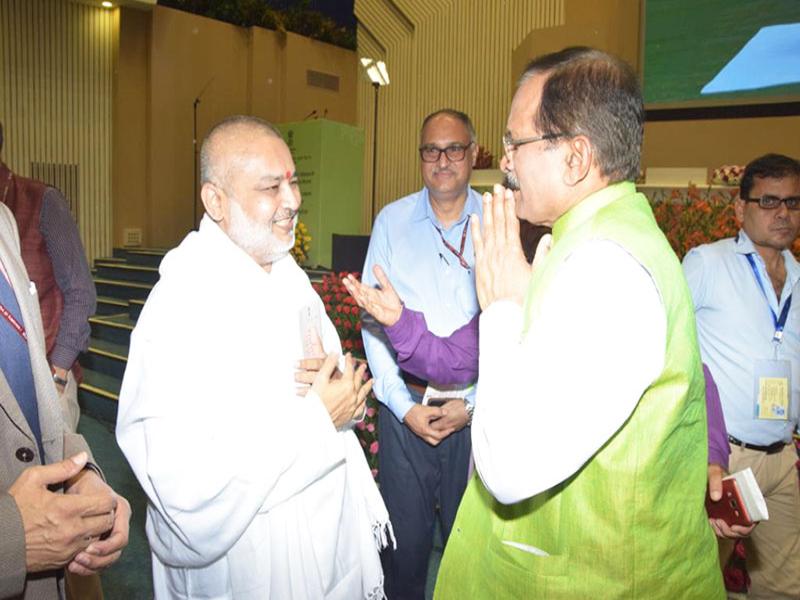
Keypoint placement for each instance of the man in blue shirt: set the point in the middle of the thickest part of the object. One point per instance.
(422, 241)
(745, 291)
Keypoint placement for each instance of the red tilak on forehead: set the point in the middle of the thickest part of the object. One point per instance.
(288, 174)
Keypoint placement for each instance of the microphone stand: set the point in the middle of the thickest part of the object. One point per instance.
(377, 87)
(194, 161)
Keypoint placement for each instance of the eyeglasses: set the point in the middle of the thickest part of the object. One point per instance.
(772, 202)
(510, 144)
(454, 152)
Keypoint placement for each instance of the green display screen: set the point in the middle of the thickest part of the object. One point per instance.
(705, 52)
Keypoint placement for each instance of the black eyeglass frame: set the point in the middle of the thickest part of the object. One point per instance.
(773, 202)
(446, 151)
(511, 145)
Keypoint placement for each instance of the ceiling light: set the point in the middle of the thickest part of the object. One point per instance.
(107, 4)
(376, 71)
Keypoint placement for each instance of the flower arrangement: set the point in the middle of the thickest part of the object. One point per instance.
(302, 243)
(346, 317)
(727, 175)
(367, 433)
(696, 218)
(735, 574)
(342, 311)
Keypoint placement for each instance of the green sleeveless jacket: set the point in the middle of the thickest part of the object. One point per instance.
(631, 523)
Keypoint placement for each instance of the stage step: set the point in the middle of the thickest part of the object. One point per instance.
(135, 309)
(123, 272)
(106, 305)
(123, 290)
(115, 329)
(98, 395)
(122, 282)
(149, 257)
(105, 357)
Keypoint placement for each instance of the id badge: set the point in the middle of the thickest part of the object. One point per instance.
(434, 396)
(772, 390)
(311, 331)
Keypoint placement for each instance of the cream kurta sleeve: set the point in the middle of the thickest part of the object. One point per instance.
(548, 401)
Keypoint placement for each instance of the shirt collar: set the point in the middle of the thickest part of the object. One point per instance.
(591, 205)
(423, 209)
(744, 245)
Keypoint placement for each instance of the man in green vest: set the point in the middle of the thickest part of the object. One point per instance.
(592, 481)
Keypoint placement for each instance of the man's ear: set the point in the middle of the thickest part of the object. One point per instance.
(579, 159)
(474, 152)
(738, 209)
(213, 201)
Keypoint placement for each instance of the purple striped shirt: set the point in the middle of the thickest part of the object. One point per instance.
(72, 275)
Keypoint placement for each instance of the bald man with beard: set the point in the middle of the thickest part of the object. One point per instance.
(257, 489)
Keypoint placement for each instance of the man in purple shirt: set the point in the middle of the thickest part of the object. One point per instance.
(454, 359)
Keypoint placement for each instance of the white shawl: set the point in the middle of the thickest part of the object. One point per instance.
(252, 492)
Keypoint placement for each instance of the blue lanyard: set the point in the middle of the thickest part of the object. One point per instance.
(779, 322)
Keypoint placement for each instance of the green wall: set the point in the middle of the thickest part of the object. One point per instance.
(329, 158)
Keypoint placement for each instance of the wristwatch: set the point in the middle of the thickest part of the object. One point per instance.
(470, 408)
(59, 380)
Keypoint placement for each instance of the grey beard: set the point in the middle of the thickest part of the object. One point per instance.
(257, 240)
(510, 181)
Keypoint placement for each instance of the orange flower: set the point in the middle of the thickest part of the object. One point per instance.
(690, 218)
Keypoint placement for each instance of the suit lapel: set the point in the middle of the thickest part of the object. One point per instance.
(47, 401)
(10, 406)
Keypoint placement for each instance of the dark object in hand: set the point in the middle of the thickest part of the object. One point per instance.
(731, 507)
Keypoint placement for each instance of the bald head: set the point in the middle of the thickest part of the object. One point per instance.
(250, 188)
(228, 143)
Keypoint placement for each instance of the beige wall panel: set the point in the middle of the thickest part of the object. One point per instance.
(266, 74)
(302, 54)
(386, 21)
(421, 11)
(131, 182)
(189, 55)
(611, 25)
(56, 63)
(439, 53)
(712, 143)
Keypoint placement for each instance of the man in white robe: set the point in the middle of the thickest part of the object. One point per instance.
(257, 486)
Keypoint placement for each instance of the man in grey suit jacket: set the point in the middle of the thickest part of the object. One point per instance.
(56, 511)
